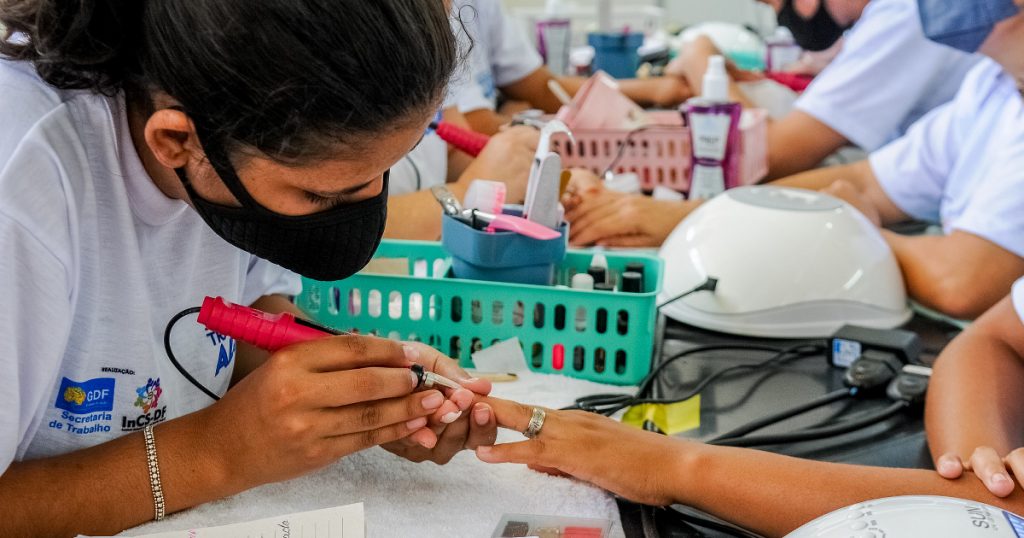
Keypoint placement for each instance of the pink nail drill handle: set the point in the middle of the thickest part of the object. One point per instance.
(521, 226)
(272, 332)
(469, 142)
(255, 327)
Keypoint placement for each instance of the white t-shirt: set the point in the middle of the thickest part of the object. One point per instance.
(96, 260)
(424, 167)
(501, 54)
(962, 165)
(887, 76)
(1017, 296)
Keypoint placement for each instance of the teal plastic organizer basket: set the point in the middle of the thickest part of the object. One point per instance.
(601, 336)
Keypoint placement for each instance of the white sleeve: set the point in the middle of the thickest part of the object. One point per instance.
(465, 92)
(35, 321)
(913, 170)
(513, 56)
(1017, 296)
(265, 278)
(994, 210)
(885, 69)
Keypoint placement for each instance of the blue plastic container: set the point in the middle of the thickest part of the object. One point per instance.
(501, 256)
(616, 54)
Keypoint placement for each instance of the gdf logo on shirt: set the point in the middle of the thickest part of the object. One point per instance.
(83, 398)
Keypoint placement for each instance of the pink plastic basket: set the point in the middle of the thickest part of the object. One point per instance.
(660, 154)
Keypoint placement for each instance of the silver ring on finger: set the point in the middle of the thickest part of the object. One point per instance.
(536, 423)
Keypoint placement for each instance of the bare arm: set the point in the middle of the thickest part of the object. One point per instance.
(727, 482)
(663, 92)
(857, 185)
(796, 143)
(799, 142)
(416, 216)
(305, 407)
(713, 478)
(534, 90)
(506, 158)
(975, 397)
(487, 121)
(105, 489)
(960, 274)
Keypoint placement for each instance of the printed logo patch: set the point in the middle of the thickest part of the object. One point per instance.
(82, 398)
(148, 395)
(147, 399)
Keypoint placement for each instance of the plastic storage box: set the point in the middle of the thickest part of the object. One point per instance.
(501, 256)
(660, 154)
(601, 336)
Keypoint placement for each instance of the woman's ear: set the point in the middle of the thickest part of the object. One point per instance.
(171, 137)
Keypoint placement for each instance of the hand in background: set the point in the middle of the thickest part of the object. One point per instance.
(988, 466)
(612, 219)
(692, 63)
(506, 158)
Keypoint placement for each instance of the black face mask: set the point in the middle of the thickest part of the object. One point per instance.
(326, 246)
(815, 34)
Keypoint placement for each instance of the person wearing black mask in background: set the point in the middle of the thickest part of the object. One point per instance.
(887, 76)
(156, 152)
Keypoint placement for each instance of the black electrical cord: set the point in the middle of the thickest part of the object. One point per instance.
(817, 433)
(710, 285)
(715, 525)
(170, 353)
(821, 401)
(781, 356)
(609, 404)
(628, 142)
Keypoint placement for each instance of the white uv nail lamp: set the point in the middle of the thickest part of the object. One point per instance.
(790, 263)
(915, 517)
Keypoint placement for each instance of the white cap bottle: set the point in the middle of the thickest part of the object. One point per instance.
(716, 81)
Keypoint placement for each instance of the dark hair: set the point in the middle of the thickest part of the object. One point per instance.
(291, 79)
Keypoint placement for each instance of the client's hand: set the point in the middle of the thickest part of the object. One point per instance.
(449, 430)
(638, 465)
(612, 219)
(993, 471)
(583, 184)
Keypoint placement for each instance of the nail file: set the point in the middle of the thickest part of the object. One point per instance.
(543, 149)
(543, 201)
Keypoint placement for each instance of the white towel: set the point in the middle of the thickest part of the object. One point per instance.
(464, 499)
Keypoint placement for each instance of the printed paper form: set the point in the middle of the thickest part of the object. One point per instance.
(340, 522)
